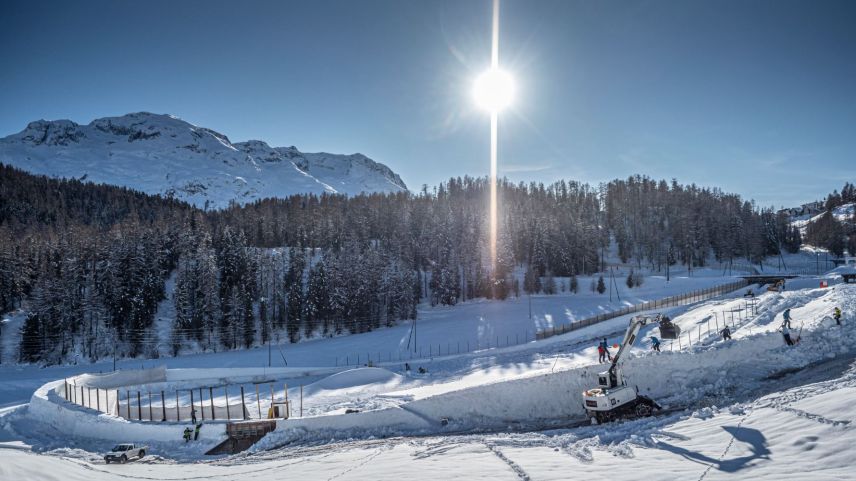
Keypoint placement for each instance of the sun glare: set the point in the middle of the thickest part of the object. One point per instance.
(494, 90)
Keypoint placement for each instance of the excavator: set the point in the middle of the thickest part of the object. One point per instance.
(613, 399)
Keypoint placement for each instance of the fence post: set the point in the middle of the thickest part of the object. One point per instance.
(226, 391)
(98, 399)
(128, 399)
(151, 413)
(211, 397)
(201, 406)
(139, 407)
(243, 405)
(258, 402)
(192, 405)
(163, 406)
(177, 408)
(118, 413)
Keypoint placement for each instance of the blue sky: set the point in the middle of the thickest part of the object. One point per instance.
(756, 97)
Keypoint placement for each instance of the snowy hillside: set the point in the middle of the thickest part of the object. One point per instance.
(162, 154)
(842, 213)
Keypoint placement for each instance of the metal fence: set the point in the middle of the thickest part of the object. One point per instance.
(679, 300)
(212, 403)
(451, 348)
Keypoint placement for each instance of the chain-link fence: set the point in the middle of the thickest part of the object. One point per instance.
(672, 301)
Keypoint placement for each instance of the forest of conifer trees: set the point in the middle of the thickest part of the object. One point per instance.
(89, 264)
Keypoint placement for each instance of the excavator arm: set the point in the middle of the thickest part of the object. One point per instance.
(636, 324)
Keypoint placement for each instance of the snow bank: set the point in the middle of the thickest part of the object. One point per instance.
(48, 407)
(120, 378)
(681, 378)
(353, 378)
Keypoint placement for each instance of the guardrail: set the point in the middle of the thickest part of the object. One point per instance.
(679, 300)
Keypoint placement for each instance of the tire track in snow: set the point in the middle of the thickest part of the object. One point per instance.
(725, 451)
(365, 460)
(811, 416)
(511, 464)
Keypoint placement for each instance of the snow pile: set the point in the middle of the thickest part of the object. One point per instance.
(353, 378)
(722, 370)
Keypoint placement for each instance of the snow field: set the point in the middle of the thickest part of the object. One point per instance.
(506, 397)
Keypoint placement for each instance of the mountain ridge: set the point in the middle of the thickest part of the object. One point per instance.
(163, 154)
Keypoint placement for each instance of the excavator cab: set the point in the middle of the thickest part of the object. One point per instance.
(668, 330)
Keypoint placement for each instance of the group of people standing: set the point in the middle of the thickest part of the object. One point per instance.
(603, 346)
(192, 433)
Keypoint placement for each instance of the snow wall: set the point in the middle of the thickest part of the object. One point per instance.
(48, 404)
(724, 371)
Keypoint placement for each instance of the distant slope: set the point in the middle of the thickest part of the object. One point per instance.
(161, 154)
(842, 213)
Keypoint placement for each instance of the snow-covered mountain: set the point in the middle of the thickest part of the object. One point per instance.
(162, 154)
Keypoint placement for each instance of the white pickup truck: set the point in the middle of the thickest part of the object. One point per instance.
(121, 453)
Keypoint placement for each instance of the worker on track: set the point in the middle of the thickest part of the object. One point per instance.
(786, 333)
(655, 344)
(787, 316)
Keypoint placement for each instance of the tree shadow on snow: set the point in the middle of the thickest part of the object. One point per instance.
(752, 437)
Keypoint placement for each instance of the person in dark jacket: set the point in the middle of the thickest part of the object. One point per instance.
(605, 347)
(196, 432)
(787, 316)
(786, 333)
(193, 415)
(187, 433)
(655, 344)
(725, 333)
(836, 314)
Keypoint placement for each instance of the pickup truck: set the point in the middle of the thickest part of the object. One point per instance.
(121, 453)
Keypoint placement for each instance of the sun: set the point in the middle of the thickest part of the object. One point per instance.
(493, 90)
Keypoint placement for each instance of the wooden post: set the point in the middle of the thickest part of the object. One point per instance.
(151, 413)
(201, 406)
(139, 407)
(226, 391)
(243, 404)
(211, 397)
(177, 409)
(128, 399)
(118, 414)
(258, 402)
(163, 406)
(98, 399)
(192, 404)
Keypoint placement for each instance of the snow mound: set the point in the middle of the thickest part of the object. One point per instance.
(354, 378)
